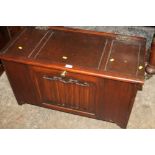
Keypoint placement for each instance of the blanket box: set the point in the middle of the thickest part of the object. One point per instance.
(92, 74)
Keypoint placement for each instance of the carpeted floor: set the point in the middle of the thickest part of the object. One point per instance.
(28, 116)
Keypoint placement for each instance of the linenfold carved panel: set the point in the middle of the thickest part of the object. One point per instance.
(69, 92)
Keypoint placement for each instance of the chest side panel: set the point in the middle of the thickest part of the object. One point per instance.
(21, 83)
(118, 98)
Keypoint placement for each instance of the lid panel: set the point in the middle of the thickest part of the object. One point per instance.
(77, 49)
(111, 56)
(123, 57)
(27, 42)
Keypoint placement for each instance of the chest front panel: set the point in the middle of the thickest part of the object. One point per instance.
(74, 91)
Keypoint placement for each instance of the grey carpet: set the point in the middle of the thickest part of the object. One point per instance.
(28, 116)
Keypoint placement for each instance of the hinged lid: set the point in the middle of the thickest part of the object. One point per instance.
(100, 54)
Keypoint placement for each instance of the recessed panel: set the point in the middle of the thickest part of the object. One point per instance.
(25, 43)
(82, 50)
(123, 58)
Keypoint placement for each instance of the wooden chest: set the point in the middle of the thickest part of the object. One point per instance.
(77, 71)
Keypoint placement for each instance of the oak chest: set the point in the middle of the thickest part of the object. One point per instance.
(77, 71)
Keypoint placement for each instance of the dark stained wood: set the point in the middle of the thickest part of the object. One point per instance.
(118, 99)
(120, 62)
(1, 69)
(14, 30)
(93, 75)
(4, 38)
(40, 52)
(150, 69)
(6, 34)
(75, 47)
(19, 77)
(107, 34)
(27, 43)
(76, 91)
